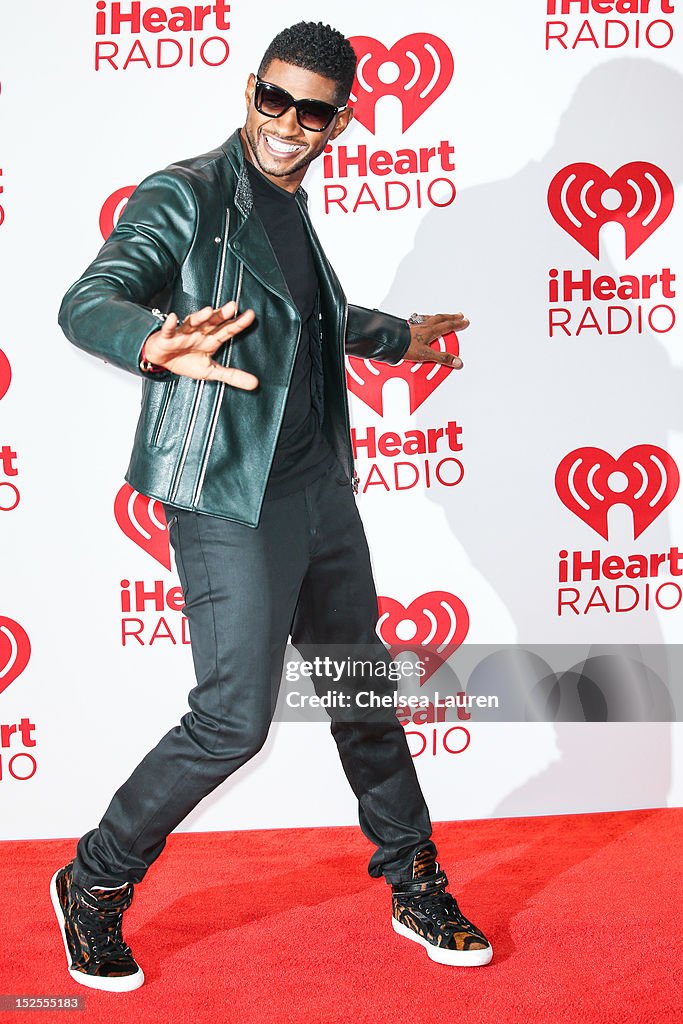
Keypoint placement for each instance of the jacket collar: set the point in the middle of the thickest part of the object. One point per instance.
(244, 200)
(250, 243)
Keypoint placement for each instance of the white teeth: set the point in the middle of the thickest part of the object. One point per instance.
(281, 147)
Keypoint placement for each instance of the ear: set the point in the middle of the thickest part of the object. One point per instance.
(342, 123)
(249, 90)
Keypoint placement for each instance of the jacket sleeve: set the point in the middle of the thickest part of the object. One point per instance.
(106, 311)
(371, 334)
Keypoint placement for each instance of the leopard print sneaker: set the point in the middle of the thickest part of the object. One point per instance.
(90, 922)
(423, 911)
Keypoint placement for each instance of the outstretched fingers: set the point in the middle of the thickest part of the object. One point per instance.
(169, 327)
(227, 329)
(448, 359)
(443, 323)
(232, 376)
(219, 323)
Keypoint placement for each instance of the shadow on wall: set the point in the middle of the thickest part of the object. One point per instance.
(524, 401)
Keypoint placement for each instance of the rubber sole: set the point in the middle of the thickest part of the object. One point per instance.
(450, 957)
(126, 984)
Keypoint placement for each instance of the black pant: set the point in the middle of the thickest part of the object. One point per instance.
(304, 570)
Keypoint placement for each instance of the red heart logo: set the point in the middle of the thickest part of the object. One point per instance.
(582, 197)
(647, 482)
(5, 374)
(15, 651)
(142, 520)
(113, 207)
(433, 626)
(365, 378)
(416, 70)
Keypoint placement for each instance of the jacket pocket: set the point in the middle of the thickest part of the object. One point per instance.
(162, 414)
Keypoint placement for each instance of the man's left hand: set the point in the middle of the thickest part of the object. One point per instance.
(434, 327)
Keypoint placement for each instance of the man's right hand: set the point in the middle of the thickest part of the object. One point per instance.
(188, 348)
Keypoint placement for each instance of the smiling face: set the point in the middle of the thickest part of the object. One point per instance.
(279, 146)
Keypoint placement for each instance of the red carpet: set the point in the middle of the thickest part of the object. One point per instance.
(583, 913)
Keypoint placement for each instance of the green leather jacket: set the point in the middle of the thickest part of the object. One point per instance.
(188, 238)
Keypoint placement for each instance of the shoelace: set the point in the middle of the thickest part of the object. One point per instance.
(102, 923)
(442, 907)
(103, 929)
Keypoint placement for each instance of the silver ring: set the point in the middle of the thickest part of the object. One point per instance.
(416, 318)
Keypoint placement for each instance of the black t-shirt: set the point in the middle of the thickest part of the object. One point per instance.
(302, 453)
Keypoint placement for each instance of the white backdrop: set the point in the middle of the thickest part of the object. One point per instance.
(88, 108)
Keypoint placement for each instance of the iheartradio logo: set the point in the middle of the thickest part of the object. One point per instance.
(589, 481)
(5, 374)
(416, 70)
(112, 208)
(142, 520)
(15, 651)
(583, 197)
(365, 378)
(436, 621)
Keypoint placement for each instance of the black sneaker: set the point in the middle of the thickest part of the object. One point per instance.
(423, 911)
(90, 921)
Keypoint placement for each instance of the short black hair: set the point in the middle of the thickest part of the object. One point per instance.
(318, 48)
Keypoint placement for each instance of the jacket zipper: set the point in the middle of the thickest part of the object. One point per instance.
(169, 388)
(219, 400)
(355, 479)
(199, 391)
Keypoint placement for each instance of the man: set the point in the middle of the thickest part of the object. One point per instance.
(244, 437)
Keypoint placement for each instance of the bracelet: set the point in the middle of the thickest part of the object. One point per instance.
(146, 366)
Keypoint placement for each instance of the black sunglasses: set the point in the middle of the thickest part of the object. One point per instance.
(313, 115)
